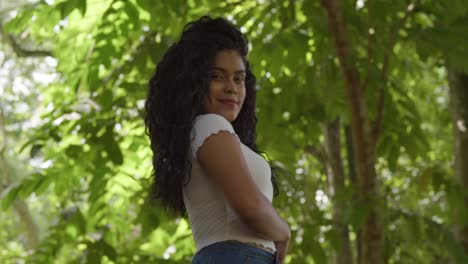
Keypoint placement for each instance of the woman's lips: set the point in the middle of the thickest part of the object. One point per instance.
(230, 103)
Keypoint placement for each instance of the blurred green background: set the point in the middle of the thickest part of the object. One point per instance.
(75, 162)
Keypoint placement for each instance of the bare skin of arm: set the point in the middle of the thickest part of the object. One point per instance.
(222, 159)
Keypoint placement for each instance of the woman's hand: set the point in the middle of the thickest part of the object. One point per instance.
(282, 248)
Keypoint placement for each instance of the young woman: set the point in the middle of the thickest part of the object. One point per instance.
(200, 117)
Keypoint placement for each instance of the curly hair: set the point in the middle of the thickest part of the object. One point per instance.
(175, 97)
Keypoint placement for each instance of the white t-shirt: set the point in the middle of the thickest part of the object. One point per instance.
(211, 217)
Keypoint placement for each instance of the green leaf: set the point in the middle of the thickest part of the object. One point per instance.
(437, 179)
(317, 252)
(30, 184)
(149, 217)
(425, 178)
(19, 23)
(132, 13)
(35, 149)
(92, 256)
(106, 249)
(68, 6)
(31, 141)
(333, 236)
(43, 185)
(74, 151)
(9, 195)
(112, 147)
(82, 6)
(79, 221)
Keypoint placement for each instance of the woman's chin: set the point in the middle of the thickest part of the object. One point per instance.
(228, 117)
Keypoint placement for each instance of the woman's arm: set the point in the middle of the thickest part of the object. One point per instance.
(222, 159)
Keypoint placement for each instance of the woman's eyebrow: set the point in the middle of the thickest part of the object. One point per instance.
(224, 70)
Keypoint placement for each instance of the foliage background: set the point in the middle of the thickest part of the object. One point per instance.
(75, 161)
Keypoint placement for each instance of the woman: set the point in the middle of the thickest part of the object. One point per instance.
(200, 117)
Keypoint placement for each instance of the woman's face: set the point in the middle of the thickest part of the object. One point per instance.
(227, 85)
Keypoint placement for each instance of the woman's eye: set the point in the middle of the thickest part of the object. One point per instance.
(239, 80)
(216, 77)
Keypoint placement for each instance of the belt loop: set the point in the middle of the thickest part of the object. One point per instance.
(276, 259)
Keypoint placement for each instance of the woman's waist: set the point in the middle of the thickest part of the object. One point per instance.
(256, 244)
(205, 234)
(253, 241)
(247, 239)
(237, 247)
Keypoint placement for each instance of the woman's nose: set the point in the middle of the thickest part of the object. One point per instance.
(230, 86)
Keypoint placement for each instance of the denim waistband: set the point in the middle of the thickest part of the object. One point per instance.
(241, 248)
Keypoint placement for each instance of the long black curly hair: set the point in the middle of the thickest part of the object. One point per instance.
(175, 97)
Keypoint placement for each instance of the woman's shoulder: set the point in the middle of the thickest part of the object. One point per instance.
(212, 121)
(207, 125)
(212, 117)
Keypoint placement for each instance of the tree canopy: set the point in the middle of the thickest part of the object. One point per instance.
(75, 162)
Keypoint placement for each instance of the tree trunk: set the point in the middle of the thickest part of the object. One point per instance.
(363, 140)
(335, 174)
(353, 182)
(32, 233)
(21, 208)
(458, 83)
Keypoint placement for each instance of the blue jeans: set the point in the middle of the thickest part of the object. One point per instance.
(234, 252)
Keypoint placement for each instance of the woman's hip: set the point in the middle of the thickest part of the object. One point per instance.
(234, 252)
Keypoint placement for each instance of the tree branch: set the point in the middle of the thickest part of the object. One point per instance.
(3, 137)
(233, 3)
(318, 152)
(21, 208)
(20, 51)
(19, 7)
(377, 124)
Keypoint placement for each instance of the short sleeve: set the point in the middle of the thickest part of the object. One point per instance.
(205, 126)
